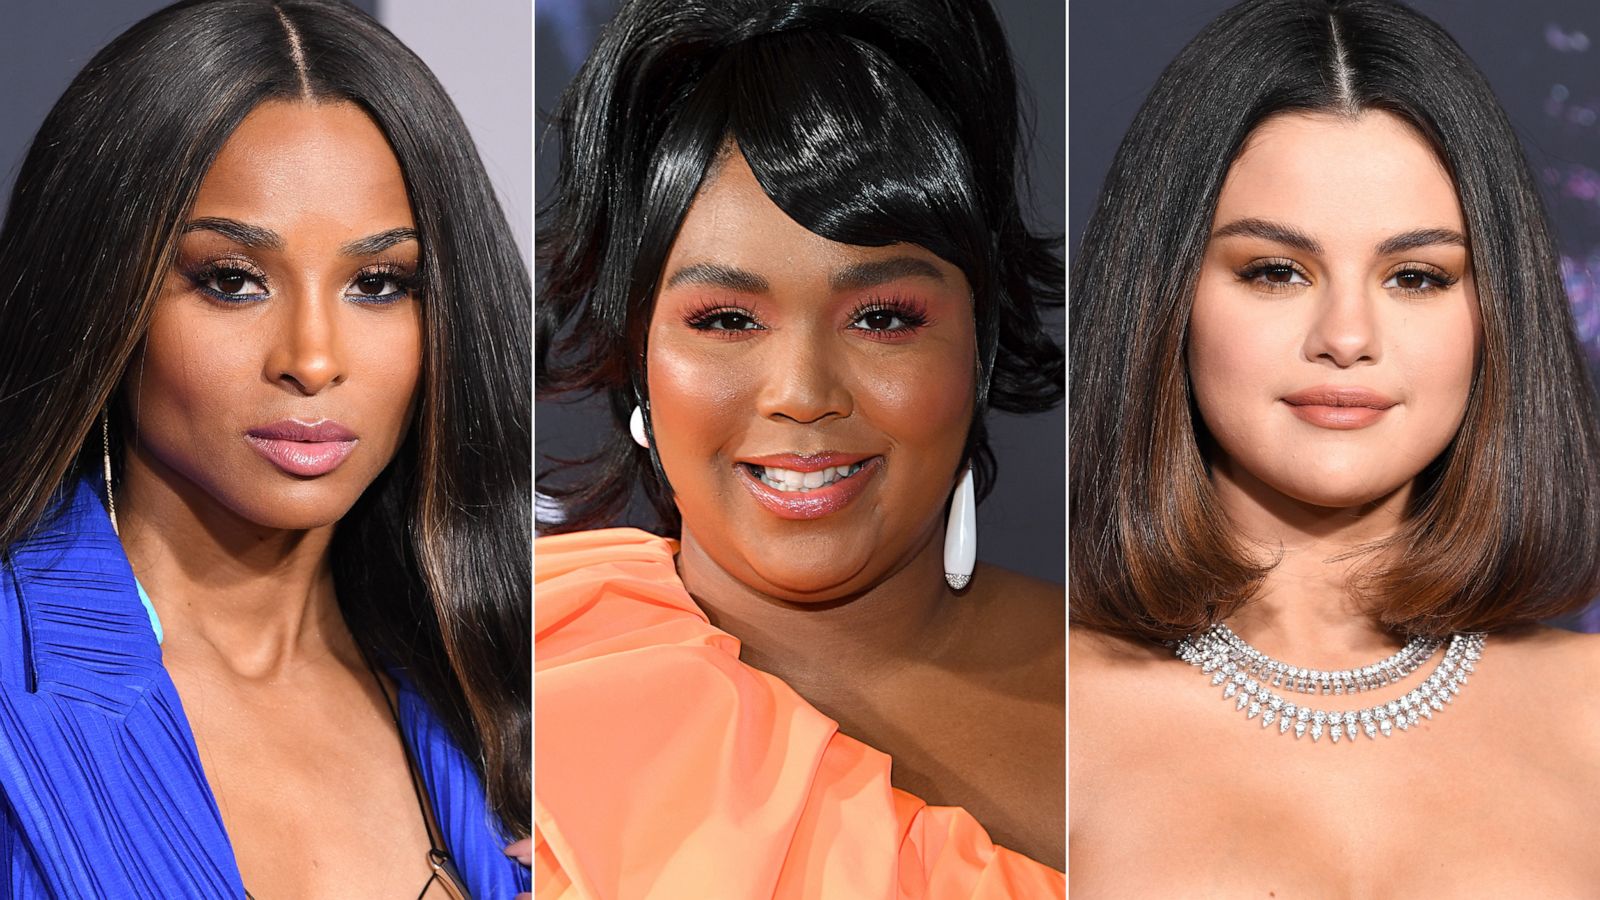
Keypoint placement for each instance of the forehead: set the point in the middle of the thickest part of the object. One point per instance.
(303, 163)
(1373, 174)
(733, 222)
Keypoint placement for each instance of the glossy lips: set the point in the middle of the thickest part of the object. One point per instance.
(792, 486)
(307, 449)
(1338, 408)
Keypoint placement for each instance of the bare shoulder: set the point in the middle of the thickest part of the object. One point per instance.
(1024, 604)
(1546, 678)
(1539, 651)
(996, 584)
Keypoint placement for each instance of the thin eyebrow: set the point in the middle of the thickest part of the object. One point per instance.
(715, 275)
(252, 236)
(1267, 230)
(868, 274)
(374, 244)
(1421, 237)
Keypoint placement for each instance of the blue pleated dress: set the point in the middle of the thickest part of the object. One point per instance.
(101, 789)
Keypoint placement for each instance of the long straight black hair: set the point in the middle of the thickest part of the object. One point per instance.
(868, 122)
(432, 563)
(1505, 525)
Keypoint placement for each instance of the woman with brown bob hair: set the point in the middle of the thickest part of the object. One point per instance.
(1333, 445)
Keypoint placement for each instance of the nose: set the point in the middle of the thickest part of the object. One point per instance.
(306, 354)
(1344, 327)
(804, 379)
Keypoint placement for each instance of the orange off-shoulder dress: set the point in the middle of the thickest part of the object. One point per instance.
(666, 768)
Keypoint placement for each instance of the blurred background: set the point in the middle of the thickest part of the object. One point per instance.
(1022, 526)
(479, 50)
(1539, 55)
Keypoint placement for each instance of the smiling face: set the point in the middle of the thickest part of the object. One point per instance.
(809, 399)
(279, 372)
(1335, 329)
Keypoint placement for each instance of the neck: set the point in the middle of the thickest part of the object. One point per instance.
(256, 600)
(1305, 612)
(832, 643)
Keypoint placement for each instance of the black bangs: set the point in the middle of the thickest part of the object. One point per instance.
(858, 156)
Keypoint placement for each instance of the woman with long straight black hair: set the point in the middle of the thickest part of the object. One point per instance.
(264, 487)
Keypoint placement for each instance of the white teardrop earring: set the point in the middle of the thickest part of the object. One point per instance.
(961, 535)
(636, 427)
(105, 455)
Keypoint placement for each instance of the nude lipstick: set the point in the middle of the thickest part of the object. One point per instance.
(307, 449)
(807, 486)
(1338, 408)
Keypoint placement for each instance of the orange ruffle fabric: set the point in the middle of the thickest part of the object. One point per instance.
(666, 768)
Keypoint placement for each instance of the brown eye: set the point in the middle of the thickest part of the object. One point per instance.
(231, 283)
(1278, 275)
(1417, 281)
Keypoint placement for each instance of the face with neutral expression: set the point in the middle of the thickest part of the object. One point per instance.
(278, 375)
(809, 400)
(1335, 330)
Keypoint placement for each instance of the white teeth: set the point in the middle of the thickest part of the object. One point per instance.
(790, 481)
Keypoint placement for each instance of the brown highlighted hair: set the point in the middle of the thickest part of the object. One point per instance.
(432, 565)
(1504, 527)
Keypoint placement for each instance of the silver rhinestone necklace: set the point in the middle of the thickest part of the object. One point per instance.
(1247, 676)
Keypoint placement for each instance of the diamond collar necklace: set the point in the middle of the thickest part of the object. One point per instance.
(1251, 678)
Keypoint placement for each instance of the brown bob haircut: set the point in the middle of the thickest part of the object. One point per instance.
(1504, 526)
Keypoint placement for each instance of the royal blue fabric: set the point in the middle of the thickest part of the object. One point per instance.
(101, 789)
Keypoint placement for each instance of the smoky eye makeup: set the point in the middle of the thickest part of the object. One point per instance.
(228, 280)
(384, 283)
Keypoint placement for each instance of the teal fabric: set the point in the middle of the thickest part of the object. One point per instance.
(155, 620)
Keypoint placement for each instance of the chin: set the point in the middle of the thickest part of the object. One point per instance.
(1339, 493)
(300, 508)
(805, 578)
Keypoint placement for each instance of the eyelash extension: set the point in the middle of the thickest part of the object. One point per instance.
(703, 316)
(204, 272)
(406, 283)
(1441, 279)
(914, 313)
(1251, 273)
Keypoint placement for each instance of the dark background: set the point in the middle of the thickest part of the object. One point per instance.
(1539, 55)
(1022, 526)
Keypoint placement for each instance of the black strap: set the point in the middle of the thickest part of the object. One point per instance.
(438, 860)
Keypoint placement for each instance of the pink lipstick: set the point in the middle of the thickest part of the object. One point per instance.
(807, 486)
(307, 449)
(1338, 408)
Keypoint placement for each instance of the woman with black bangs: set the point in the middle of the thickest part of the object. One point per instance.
(1334, 455)
(263, 489)
(785, 241)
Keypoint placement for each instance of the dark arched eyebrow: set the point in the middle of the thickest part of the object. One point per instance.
(258, 238)
(1280, 233)
(1267, 230)
(252, 236)
(868, 274)
(741, 280)
(374, 244)
(1421, 237)
(851, 277)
